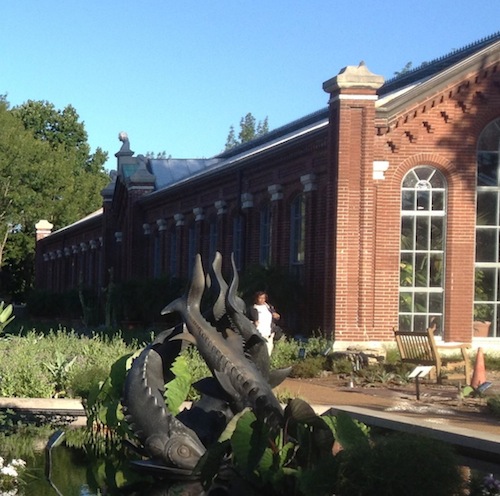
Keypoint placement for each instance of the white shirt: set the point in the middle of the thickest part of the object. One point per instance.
(265, 320)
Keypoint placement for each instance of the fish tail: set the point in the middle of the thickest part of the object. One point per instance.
(192, 298)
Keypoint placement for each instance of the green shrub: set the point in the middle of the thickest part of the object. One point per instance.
(397, 465)
(59, 363)
(309, 368)
(494, 405)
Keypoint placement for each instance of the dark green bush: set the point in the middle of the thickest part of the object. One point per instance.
(397, 465)
(494, 405)
(309, 367)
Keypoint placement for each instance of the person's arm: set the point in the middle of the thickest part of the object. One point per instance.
(275, 314)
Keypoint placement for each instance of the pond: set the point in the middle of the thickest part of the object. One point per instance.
(65, 463)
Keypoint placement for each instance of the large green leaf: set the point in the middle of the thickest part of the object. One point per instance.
(347, 431)
(249, 442)
(209, 464)
(177, 390)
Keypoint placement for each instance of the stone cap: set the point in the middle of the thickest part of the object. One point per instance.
(354, 78)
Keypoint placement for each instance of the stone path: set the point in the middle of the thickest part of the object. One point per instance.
(402, 402)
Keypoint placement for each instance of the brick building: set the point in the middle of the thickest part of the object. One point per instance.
(386, 205)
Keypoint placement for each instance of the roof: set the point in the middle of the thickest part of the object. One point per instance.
(173, 172)
(429, 69)
(79, 222)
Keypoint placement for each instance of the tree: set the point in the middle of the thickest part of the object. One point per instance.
(249, 130)
(46, 171)
(407, 68)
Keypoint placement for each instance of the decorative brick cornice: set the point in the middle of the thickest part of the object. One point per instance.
(198, 213)
(309, 182)
(246, 200)
(179, 220)
(221, 207)
(276, 191)
(162, 224)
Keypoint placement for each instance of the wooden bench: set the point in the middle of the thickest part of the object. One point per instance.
(420, 348)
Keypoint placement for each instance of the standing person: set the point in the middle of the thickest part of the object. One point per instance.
(262, 314)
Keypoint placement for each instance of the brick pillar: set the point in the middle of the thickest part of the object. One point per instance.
(351, 193)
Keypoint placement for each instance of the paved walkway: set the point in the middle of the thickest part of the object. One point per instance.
(390, 401)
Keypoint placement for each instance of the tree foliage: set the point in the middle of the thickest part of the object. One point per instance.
(249, 129)
(46, 171)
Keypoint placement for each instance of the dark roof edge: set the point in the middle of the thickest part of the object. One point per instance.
(427, 69)
(276, 133)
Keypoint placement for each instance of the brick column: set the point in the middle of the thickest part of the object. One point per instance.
(350, 237)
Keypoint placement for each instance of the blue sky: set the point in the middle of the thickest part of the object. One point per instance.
(176, 74)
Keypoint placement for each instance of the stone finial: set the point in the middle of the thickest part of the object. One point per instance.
(354, 78)
(125, 149)
(43, 228)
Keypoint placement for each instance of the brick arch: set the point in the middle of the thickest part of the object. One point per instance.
(445, 166)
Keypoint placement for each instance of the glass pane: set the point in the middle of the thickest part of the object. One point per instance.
(486, 247)
(436, 270)
(437, 180)
(423, 200)
(422, 233)
(407, 232)
(487, 207)
(438, 200)
(483, 312)
(420, 323)
(421, 270)
(405, 302)
(484, 287)
(436, 303)
(405, 322)
(487, 169)
(437, 233)
(410, 179)
(420, 302)
(408, 200)
(490, 137)
(406, 270)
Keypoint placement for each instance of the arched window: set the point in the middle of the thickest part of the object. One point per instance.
(423, 229)
(265, 232)
(238, 230)
(212, 238)
(191, 248)
(172, 261)
(487, 266)
(297, 232)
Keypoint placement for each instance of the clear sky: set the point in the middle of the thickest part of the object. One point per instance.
(176, 74)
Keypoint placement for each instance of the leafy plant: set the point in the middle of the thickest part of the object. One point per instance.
(5, 315)
(59, 368)
(387, 466)
(298, 459)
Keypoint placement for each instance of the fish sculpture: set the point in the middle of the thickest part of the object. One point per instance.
(224, 355)
(235, 353)
(164, 438)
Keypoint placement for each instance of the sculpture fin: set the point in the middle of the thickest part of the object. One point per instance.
(185, 336)
(277, 376)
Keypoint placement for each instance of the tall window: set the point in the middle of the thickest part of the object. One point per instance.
(191, 247)
(156, 255)
(238, 229)
(487, 267)
(172, 262)
(212, 238)
(423, 229)
(297, 231)
(265, 236)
